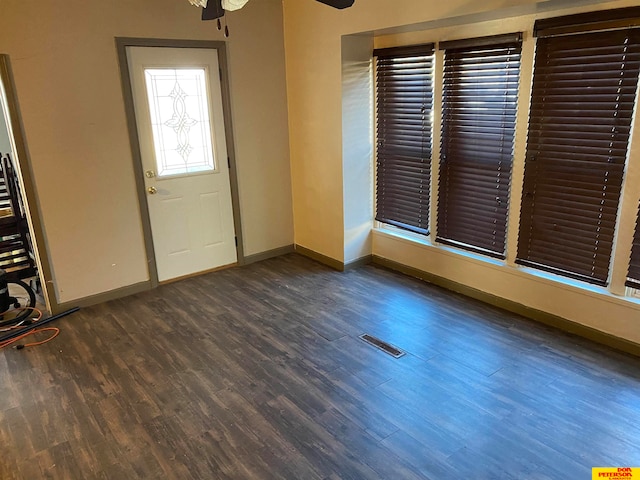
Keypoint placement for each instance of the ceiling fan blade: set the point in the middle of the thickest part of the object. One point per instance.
(213, 10)
(337, 3)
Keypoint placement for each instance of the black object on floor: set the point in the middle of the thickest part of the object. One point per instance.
(19, 331)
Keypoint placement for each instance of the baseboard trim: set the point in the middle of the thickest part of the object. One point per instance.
(358, 262)
(146, 285)
(276, 252)
(546, 318)
(104, 297)
(332, 262)
(318, 257)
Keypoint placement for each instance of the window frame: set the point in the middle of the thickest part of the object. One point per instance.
(633, 273)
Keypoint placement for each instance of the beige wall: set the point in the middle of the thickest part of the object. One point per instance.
(357, 146)
(66, 72)
(323, 176)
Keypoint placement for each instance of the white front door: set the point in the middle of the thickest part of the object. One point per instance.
(180, 122)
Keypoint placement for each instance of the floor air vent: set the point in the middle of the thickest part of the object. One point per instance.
(384, 346)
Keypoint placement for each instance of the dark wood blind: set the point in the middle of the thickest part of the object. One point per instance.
(582, 102)
(633, 277)
(613, 19)
(480, 96)
(404, 101)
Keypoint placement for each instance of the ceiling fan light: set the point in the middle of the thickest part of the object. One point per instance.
(231, 5)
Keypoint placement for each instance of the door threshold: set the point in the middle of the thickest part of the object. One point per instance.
(197, 274)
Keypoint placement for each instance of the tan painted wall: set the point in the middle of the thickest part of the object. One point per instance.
(357, 145)
(66, 72)
(322, 178)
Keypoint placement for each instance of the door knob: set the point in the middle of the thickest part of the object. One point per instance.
(152, 190)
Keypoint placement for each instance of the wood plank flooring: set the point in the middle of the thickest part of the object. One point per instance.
(258, 373)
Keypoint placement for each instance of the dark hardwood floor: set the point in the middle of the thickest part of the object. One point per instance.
(258, 373)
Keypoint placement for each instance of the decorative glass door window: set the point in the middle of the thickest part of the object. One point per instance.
(180, 120)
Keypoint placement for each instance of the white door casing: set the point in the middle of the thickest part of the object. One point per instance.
(180, 122)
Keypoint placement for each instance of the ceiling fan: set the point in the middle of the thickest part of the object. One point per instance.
(215, 9)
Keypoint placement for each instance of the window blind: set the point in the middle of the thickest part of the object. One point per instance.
(582, 102)
(613, 19)
(480, 95)
(633, 277)
(404, 101)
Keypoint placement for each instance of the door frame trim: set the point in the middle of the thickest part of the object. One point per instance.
(28, 183)
(121, 46)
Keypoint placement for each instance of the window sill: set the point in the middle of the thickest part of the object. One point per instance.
(529, 273)
(440, 247)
